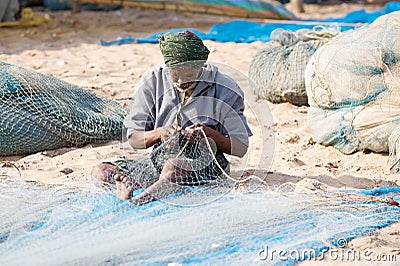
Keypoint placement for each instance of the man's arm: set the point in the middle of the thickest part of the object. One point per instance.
(144, 139)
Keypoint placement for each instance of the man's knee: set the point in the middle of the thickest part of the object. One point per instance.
(104, 172)
(169, 166)
(175, 170)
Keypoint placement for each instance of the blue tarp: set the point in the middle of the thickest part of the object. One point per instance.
(242, 31)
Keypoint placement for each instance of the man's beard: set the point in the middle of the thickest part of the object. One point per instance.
(184, 86)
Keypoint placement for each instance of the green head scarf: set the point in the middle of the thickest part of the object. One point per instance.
(182, 47)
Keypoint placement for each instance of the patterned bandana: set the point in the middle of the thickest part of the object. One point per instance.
(182, 47)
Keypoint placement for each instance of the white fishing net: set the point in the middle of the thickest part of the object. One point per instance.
(353, 89)
(239, 223)
(64, 225)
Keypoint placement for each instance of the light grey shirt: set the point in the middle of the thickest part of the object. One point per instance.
(217, 101)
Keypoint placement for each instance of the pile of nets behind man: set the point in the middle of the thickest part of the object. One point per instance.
(57, 224)
(40, 112)
(353, 85)
(277, 69)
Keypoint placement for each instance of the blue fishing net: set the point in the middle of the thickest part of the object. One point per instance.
(64, 225)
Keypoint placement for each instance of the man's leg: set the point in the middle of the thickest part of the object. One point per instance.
(174, 172)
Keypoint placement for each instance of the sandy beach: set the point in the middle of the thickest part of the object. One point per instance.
(68, 48)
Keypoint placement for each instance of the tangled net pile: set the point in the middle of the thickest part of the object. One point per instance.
(353, 90)
(206, 165)
(278, 68)
(63, 225)
(40, 112)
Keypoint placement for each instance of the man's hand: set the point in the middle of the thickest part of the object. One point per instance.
(225, 144)
(168, 131)
(146, 139)
(195, 132)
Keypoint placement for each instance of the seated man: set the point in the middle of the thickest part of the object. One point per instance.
(183, 108)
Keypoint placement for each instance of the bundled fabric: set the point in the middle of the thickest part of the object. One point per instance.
(277, 70)
(39, 112)
(237, 8)
(352, 86)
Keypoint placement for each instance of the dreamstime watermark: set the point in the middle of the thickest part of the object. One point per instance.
(340, 252)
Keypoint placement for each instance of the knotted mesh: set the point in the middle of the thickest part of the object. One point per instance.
(196, 162)
(278, 68)
(65, 225)
(352, 86)
(40, 112)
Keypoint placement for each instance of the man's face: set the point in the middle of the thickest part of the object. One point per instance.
(183, 77)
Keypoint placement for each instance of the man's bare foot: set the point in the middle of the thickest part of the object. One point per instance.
(163, 187)
(125, 186)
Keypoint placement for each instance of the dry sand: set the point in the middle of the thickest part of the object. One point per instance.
(68, 48)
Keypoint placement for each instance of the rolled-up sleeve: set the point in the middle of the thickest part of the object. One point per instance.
(234, 121)
(142, 112)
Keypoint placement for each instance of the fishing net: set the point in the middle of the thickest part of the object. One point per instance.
(65, 225)
(39, 112)
(195, 163)
(241, 220)
(278, 68)
(352, 86)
